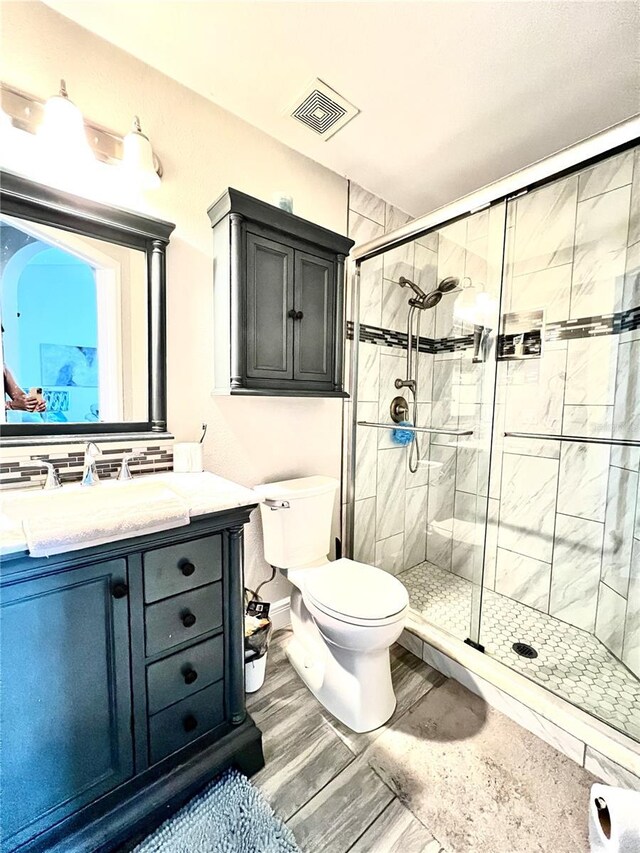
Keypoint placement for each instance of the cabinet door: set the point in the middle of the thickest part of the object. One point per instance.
(65, 703)
(269, 300)
(315, 326)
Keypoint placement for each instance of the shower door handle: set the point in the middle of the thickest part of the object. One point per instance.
(579, 439)
(432, 430)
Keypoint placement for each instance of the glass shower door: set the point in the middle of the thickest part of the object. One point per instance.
(563, 600)
(421, 508)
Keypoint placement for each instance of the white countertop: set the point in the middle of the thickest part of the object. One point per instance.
(202, 493)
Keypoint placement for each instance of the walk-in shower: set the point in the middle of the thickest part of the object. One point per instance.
(513, 516)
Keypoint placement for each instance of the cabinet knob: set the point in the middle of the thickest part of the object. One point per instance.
(187, 569)
(299, 315)
(119, 590)
(189, 723)
(291, 313)
(188, 620)
(190, 676)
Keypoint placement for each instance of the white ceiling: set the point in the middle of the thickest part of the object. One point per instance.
(453, 95)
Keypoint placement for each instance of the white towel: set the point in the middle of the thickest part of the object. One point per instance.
(616, 829)
(85, 518)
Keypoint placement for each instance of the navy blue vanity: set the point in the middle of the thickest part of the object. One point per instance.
(122, 688)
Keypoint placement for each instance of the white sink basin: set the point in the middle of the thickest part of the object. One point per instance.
(110, 506)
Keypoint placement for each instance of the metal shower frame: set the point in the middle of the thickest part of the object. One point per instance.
(588, 152)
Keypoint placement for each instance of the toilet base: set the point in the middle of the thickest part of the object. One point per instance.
(355, 687)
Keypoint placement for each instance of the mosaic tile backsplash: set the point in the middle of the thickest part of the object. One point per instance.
(19, 469)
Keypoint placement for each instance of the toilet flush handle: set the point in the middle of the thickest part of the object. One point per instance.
(274, 504)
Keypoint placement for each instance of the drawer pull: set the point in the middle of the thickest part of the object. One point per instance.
(187, 569)
(119, 590)
(190, 723)
(190, 676)
(188, 620)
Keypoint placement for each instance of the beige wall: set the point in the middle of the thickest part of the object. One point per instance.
(204, 149)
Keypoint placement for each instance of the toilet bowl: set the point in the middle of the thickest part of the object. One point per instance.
(345, 615)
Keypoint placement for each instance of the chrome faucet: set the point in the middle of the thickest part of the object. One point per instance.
(89, 468)
(125, 473)
(52, 480)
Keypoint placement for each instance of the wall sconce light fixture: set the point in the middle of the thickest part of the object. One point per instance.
(65, 136)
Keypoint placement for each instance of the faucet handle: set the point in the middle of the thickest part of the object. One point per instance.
(125, 473)
(52, 480)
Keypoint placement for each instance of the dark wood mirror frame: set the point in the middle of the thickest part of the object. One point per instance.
(25, 199)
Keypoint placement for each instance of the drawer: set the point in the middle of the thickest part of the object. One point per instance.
(184, 673)
(178, 725)
(177, 568)
(183, 617)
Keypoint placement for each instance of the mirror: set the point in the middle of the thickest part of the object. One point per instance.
(82, 296)
(74, 327)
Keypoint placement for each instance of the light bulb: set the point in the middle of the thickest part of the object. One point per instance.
(62, 134)
(138, 159)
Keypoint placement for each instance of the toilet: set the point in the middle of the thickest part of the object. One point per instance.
(345, 615)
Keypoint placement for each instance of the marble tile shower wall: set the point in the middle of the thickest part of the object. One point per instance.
(403, 518)
(567, 537)
(370, 217)
(563, 519)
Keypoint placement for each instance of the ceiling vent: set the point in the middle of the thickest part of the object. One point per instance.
(323, 110)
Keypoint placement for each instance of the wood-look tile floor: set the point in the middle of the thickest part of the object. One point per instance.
(317, 777)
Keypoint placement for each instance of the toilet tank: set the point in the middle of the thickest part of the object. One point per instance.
(300, 533)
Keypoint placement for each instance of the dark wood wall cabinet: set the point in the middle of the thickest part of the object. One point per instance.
(279, 301)
(122, 684)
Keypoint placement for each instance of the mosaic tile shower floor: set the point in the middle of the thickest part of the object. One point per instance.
(571, 663)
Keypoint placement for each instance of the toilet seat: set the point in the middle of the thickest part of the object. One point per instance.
(356, 593)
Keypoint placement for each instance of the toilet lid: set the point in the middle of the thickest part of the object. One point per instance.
(357, 590)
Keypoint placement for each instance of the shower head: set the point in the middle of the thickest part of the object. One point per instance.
(405, 282)
(448, 284)
(431, 299)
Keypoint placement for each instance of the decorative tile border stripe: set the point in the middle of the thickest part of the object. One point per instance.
(25, 470)
(630, 320)
(398, 340)
(563, 330)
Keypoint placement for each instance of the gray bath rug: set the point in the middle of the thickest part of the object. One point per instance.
(479, 782)
(229, 816)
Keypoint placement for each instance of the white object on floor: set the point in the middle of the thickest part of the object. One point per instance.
(254, 672)
(615, 827)
(85, 518)
(345, 615)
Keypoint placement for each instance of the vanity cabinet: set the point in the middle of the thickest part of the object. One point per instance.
(65, 699)
(122, 684)
(278, 301)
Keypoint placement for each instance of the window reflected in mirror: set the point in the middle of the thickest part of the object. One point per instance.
(74, 327)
